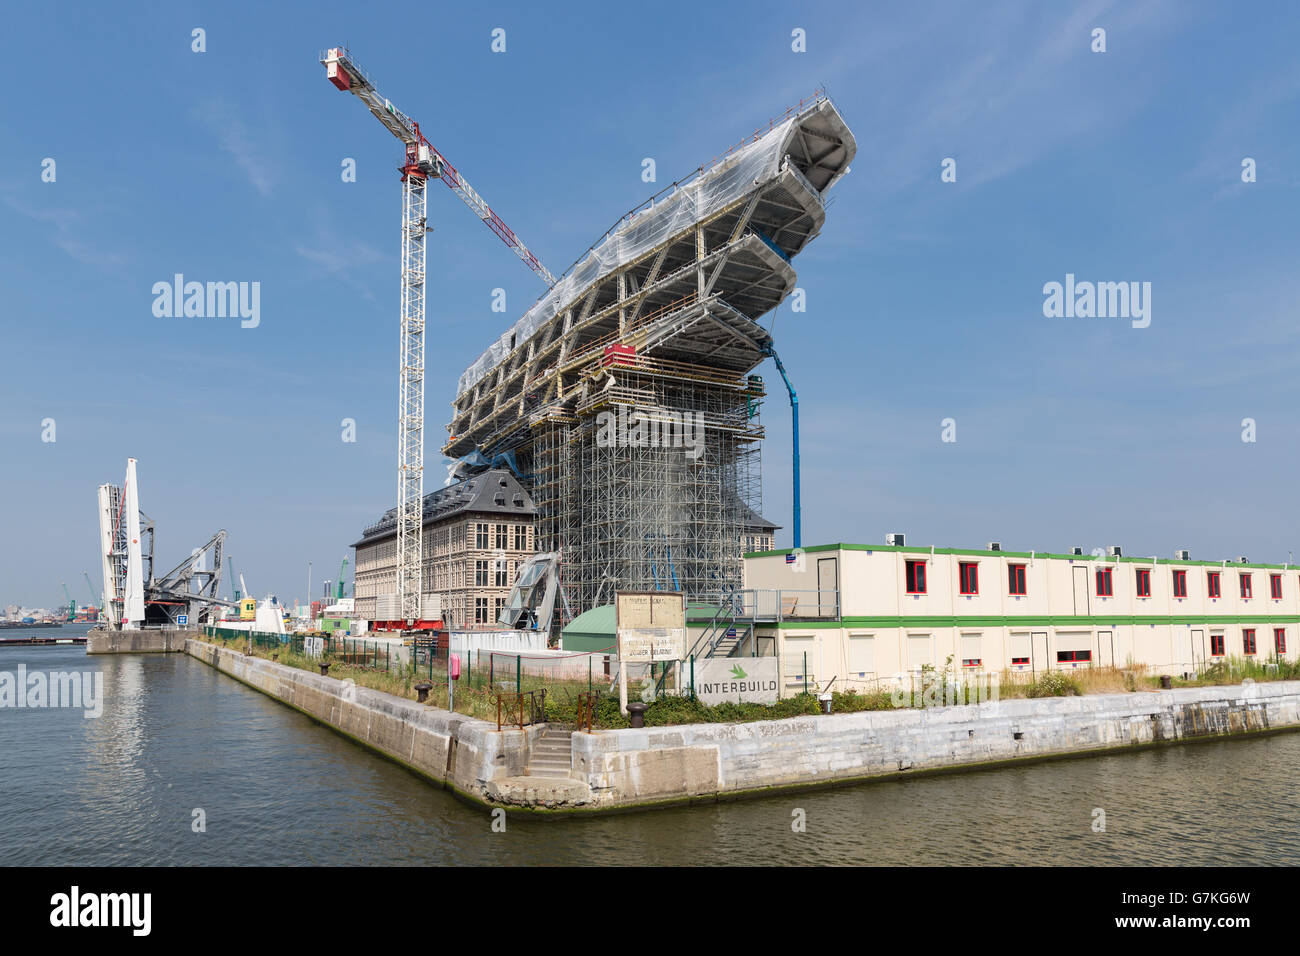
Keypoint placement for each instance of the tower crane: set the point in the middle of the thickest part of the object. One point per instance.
(343, 573)
(421, 162)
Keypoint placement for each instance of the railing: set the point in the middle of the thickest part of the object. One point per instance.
(521, 710)
(785, 604)
(587, 711)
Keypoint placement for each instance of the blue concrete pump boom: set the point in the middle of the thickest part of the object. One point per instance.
(794, 444)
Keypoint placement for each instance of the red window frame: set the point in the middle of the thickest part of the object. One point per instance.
(1279, 640)
(968, 577)
(1017, 581)
(1020, 660)
(1243, 581)
(1143, 579)
(1212, 584)
(1065, 657)
(1275, 586)
(915, 569)
(972, 662)
(1180, 584)
(1103, 576)
(1248, 640)
(1216, 645)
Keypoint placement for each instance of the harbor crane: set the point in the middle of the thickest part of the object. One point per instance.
(421, 162)
(72, 605)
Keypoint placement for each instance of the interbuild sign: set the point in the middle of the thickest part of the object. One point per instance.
(737, 679)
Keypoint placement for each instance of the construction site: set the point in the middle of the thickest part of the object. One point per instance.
(653, 333)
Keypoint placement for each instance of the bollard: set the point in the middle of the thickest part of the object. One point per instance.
(422, 691)
(275, 656)
(636, 714)
(825, 700)
(1166, 682)
(325, 669)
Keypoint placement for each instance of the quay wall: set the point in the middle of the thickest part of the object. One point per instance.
(624, 769)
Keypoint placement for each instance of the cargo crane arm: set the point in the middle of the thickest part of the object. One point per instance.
(421, 156)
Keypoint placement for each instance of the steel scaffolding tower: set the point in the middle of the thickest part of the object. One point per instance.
(658, 321)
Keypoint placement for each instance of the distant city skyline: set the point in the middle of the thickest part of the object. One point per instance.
(998, 152)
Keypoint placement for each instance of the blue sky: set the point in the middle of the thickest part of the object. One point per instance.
(924, 298)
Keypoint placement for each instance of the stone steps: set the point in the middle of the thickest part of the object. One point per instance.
(551, 755)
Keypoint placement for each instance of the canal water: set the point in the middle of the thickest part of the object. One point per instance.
(275, 788)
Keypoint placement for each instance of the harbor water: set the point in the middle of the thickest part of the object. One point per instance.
(186, 766)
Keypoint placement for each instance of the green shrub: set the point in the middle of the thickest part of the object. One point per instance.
(1054, 684)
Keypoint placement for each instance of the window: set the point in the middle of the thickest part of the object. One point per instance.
(1020, 649)
(1248, 640)
(1180, 584)
(915, 577)
(521, 537)
(969, 573)
(480, 536)
(1216, 645)
(1103, 583)
(498, 607)
(480, 610)
(1279, 640)
(970, 651)
(1016, 579)
(1212, 583)
(1275, 586)
(1064, 657)
(1245, 586)
(502, 574)
(480, 574)
(503, 536)
(1143, 582)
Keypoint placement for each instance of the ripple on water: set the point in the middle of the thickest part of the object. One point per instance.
(279, 789)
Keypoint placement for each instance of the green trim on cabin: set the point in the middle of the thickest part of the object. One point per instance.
(1062, 620)
(925, 551)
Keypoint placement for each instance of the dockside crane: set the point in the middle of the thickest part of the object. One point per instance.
(343, 574)
(72, 605)
(421, 162)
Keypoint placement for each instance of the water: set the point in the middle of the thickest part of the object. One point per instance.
(278, 789)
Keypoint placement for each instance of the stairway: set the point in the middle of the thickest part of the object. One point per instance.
(552, 754)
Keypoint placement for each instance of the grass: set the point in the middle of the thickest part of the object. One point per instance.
(475, 698)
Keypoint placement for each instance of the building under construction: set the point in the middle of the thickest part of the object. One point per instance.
(623, 397)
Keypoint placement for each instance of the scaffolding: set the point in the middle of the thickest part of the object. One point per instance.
(626, 396)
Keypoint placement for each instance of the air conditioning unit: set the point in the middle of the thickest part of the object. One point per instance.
(897, 539)
(1114, 551)
(1076, 550)
(994, 546)
(1183, 555)
(1241, 559)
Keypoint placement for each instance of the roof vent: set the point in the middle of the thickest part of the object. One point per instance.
(1183, 555)
(994, 546)
(1076, 550)
(1114, 551)
(897, 539)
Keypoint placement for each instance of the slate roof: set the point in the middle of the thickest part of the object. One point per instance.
(494, 492)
